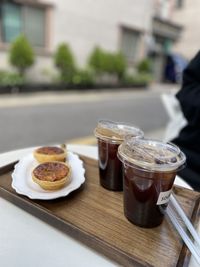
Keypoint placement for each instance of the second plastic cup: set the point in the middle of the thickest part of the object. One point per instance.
(110, 135)
(150, 168)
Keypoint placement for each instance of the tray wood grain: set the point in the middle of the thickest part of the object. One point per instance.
(94, 216)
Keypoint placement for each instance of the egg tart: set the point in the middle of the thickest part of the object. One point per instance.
(49, 153)
(52, 175)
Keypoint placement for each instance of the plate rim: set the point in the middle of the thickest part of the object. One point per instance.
(31, 195)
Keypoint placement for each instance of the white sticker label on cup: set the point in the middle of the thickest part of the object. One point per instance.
(164, 197)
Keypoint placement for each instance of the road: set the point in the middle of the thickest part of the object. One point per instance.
(41, 119)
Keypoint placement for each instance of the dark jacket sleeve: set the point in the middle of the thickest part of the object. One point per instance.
(189, 95)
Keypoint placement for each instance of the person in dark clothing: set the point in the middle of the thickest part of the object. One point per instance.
(189, 137)
(170, 74)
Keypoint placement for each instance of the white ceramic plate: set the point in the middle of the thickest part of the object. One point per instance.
(23, 184)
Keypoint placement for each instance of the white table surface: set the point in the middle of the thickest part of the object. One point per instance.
(26, 241)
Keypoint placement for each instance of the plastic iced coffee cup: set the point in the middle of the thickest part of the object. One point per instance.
(149, 171)
(110, 135)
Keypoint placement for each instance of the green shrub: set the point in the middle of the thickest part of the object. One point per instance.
(119, 65)
(137, 79)
(64, 61)
(9, 78)
(105, 62)
(108, 63)
(83, 78)
(97, 60)
(21, 54)
(144, 66)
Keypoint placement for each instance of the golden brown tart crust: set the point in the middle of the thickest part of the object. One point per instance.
(50, 150)
(50, 153)
(51, 171)
(52, 175)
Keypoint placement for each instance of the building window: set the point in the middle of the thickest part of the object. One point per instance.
(34, 25)
(179, 3)
(21, 19)
(130, 43)
(11, 22)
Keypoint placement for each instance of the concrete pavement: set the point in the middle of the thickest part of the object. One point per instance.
(91, 140)
(45, 98)
(51, 98)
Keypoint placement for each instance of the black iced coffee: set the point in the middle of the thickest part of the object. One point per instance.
(149, 171)
(110, 135)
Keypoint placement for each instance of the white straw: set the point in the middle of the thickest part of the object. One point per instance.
(185, 219)
(183, 234)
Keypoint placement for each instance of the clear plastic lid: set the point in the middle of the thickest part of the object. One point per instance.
(151, 154)
(116, 131)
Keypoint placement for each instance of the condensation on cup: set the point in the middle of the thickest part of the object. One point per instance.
(110, 135)
(149, 171)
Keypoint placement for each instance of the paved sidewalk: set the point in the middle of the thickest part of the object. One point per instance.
(157, 134)
(45, 98)
(51, 117)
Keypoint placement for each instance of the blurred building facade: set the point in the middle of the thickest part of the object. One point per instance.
(187, 15)
(137, 28)
(165, 34)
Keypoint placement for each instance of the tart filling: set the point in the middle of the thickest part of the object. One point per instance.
(50, 153)
(52, 175)
(50, 150)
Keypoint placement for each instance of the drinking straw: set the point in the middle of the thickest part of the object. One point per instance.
(173, 217)
(185, 219)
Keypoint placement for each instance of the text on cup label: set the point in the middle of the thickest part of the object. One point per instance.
(164, 197)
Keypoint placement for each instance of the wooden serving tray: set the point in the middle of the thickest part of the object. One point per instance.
(94, 216)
